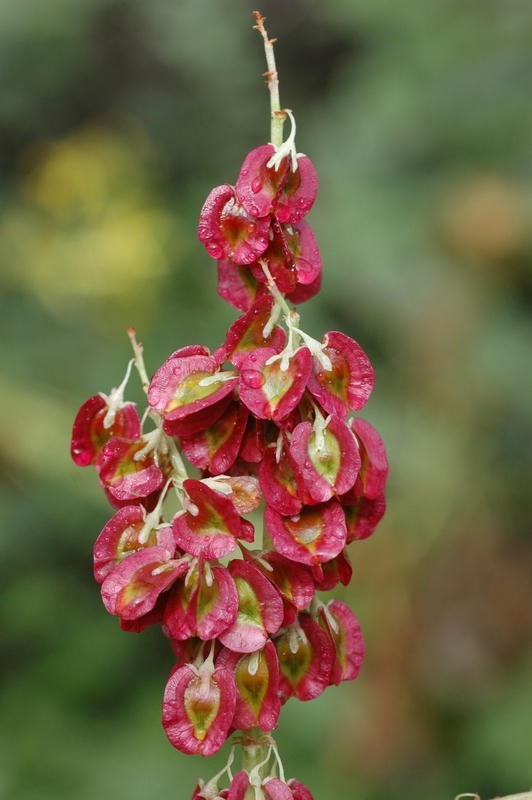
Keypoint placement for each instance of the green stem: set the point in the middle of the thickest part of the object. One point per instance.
(254, 751)
(277, 115)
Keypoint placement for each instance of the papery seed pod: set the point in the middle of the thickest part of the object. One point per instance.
(337, 570)
(293, 581)
(305, 660)
(92, 430)
(239, 786)
(216, 448)
(345, 637)
(131, 589)
(211, 525)
(275, 789)
(347, 385)
(128, 472)
(204, 607)
(299, 791)
(228, 231)
(247, 334)
(271, 386)
(281, 481)
(257, 685)
(260, 610)
(327, 456)
(198, 707)
(371, 480)
(287, 193)
(187, 385)
(121, 537)
(317, 534)
(238, 285)
(362, 516)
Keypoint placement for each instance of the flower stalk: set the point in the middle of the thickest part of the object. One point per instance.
(248, 631)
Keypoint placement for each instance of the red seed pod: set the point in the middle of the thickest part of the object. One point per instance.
(304, 291)
(204, 607)
(264, 190)
(272, 386)
(228, 231)
(317, 534)
(305, 660)
(299, 791)
(345, 637)
(276, 789)
(257, 685)
(281, 481)
(347, 385)
(131, 589)
(292, 257)
(371, 480)
(198, 707)
(326, 455)
(238, 285)
(124, 534)
(94, 426)
(362, 516)
(247, 334)
(260, 610)
(211, 525)
(239, 786)
(337, 570)
(293, 581)
(187, 385)
(216, 447)
(131, 469)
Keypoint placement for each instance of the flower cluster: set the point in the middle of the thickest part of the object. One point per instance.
(259, 221)
(265, 418)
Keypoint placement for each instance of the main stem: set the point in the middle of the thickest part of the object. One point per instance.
(277, 115)
(253, 752)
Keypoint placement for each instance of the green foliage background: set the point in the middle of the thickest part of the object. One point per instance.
(116, 119)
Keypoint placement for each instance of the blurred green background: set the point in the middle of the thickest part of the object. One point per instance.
(116, 119)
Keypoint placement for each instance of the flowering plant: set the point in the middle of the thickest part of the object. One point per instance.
(265, 417)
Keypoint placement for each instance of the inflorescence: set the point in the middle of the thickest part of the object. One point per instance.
(267, 417)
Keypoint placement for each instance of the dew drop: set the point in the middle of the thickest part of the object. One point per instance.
(252, 378)
(303, 204)
(254, 211)
(215, 250)
(244, 173)
(283, 213)
(256, 185)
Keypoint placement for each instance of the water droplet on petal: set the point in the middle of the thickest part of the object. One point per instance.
(254, 211)
(244, 173)
(215, 250)
(252, 378)
(256, 185)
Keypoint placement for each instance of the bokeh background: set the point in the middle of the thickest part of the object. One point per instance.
(116, 119)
